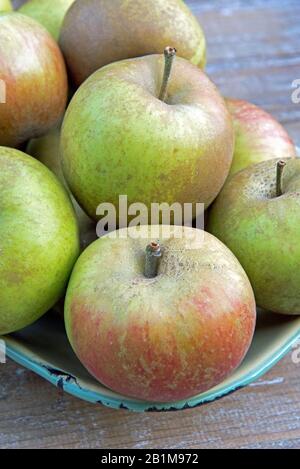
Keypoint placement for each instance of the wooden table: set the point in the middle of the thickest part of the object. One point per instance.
(253, 53)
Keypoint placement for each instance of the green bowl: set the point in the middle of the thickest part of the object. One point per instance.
(44, 349)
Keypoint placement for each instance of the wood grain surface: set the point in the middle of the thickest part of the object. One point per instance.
(253, 53)
(266, 414)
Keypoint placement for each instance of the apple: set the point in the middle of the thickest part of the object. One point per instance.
(50, 13)
(129, 132)
(46, 150)
(98, 32)
(258, 136)
(5, 5)
(38, 239)
(159, 327)
(34, 79)
(257, 215)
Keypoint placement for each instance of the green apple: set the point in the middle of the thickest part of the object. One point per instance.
(50, 13)
(39, 241)
(258, 136)
(46, 150)
(33, 80)
(257, 215)
(98, 32)
(165, 336)
(5, 5)
(128, 131)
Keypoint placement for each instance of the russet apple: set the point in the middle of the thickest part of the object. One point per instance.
(164, 327)
(39, 241)
(150, 132)
(46, 150)
(50, 13)
(98, 32)
(257, 215)
(258, 136)
(33, 73)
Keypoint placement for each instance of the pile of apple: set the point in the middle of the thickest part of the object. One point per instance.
(161, 318)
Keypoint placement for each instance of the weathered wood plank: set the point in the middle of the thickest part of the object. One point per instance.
(254, 52)
(265, 414)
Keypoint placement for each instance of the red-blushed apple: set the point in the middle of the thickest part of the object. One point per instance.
(159, 327)
(33, 78)
(96, 33)
(258, 136)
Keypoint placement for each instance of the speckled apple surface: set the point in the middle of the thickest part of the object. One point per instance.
(164, 338)
(118, 138)
(90, 28)
(44, 349)
(33, 70)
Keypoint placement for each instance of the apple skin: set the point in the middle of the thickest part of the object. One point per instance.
(5, 5)
(161, 339)
(46, 150)
(49, 13)
(263, 231)
(39, 241)
(33, 69)
(118, 138)
(98, 32)
(258, 136)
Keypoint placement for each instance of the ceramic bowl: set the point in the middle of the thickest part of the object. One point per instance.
(44, 349)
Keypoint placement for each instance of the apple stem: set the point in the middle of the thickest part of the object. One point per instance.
(169, 54)
(279, 171)
(153, 255)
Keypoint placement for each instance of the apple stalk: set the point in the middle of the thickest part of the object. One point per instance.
(169, 54)
(279, 171)
(153, 256)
